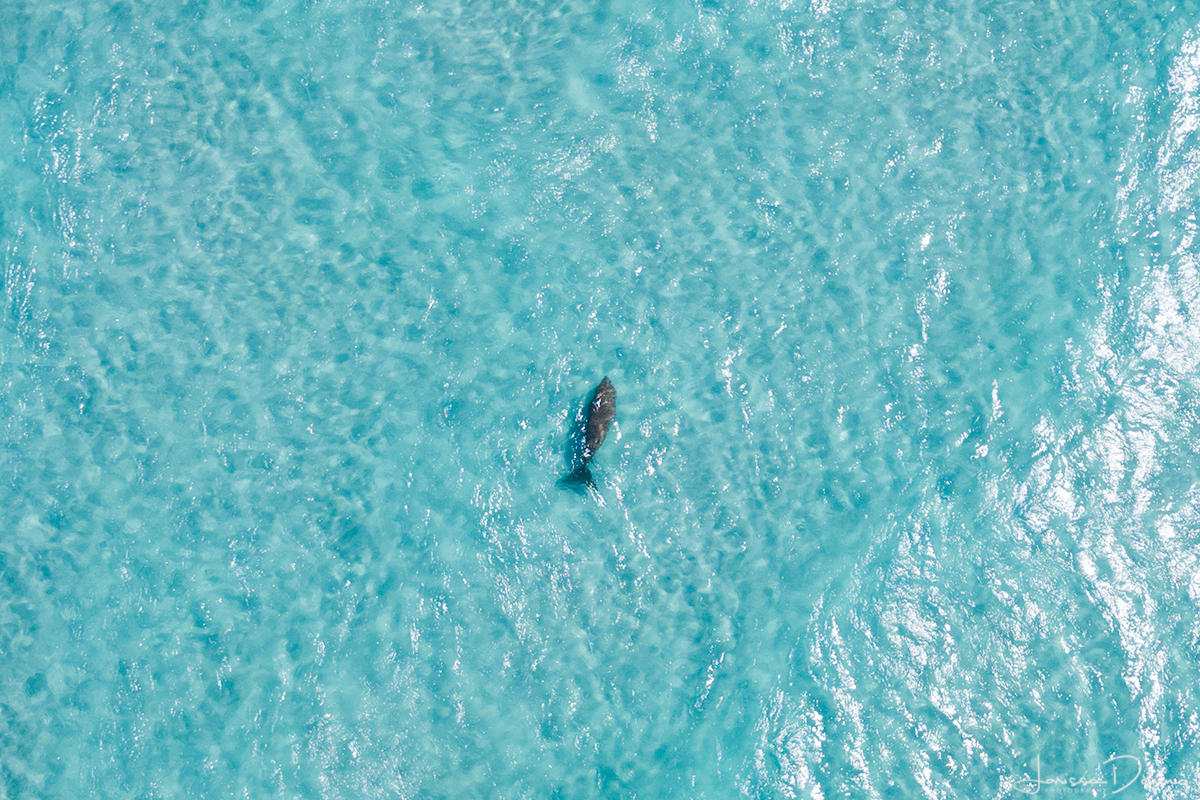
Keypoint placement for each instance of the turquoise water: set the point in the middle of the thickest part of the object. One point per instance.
(901, 302)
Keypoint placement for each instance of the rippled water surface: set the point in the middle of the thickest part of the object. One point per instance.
(901, 302)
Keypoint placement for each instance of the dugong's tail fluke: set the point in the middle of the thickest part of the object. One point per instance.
(587, 434)
(578, 480)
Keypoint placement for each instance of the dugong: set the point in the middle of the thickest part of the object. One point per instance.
(588, 432)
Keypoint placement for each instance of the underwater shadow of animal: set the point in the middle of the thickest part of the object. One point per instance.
(588, 429)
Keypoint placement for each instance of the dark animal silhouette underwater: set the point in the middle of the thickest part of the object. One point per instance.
(587, 434)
